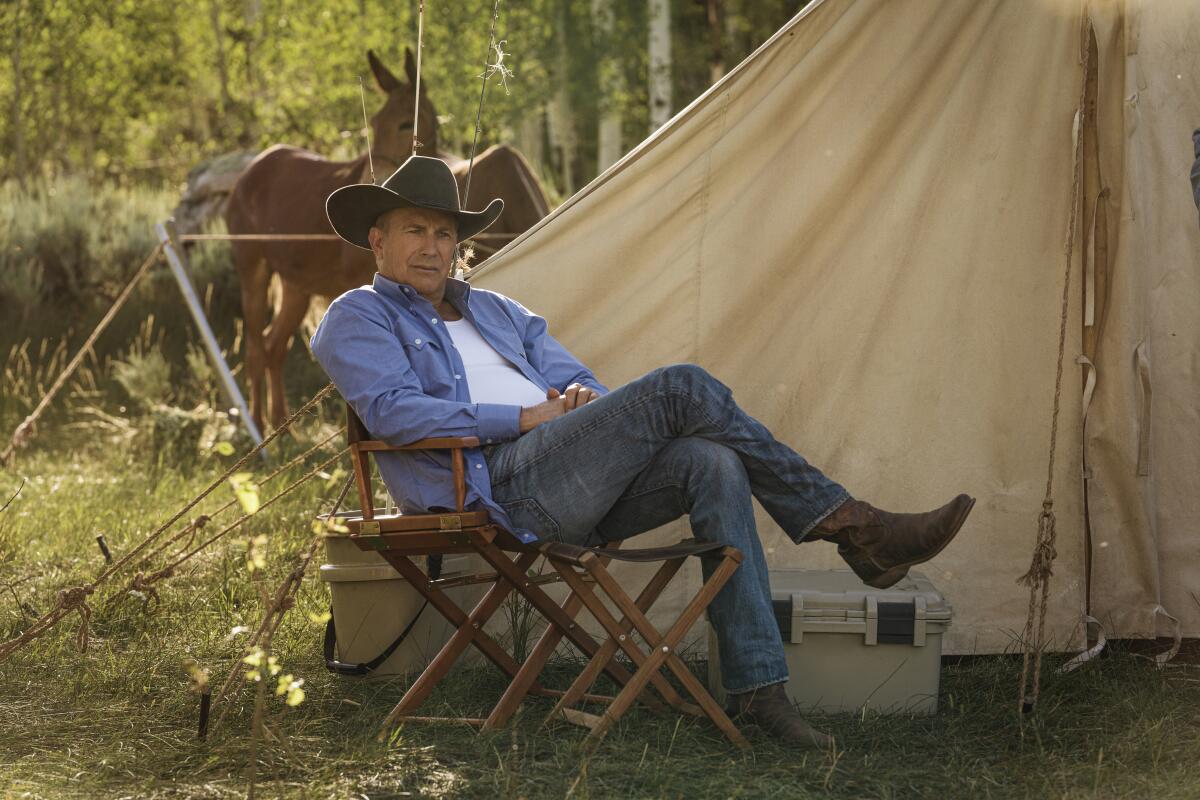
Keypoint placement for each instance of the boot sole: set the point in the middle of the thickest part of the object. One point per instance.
(890, 578)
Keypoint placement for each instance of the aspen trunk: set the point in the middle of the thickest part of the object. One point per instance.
(660, 62)
(18, 156)
(608, 139)
(562, 118)
(716, 56)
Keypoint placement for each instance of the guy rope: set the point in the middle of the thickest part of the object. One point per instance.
(25, 430)
(1041, 566)
(75, 598)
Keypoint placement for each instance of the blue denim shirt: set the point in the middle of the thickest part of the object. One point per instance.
(391, 357)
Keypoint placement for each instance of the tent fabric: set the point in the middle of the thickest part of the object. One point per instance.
(862, 230)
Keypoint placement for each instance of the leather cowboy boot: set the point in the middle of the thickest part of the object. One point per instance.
(772, 711)
(880, 546)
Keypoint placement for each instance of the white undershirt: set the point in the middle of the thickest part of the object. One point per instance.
(490, 378)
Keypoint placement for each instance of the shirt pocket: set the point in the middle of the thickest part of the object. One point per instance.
(428, 361)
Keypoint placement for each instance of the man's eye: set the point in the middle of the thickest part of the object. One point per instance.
(444, 234)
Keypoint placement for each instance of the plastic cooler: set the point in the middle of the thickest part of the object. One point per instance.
(372, 604)
(850, 646)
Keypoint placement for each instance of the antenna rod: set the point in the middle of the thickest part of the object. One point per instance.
(366, 128)
(482, 91)
(417, 93)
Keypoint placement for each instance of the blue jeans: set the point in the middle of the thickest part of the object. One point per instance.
(670, 443)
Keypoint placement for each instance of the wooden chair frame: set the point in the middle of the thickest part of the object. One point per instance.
(398, 537)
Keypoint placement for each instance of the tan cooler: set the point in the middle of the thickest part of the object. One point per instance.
(372, 605)
(850, 646)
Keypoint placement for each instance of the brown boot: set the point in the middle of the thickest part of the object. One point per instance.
(771, 709)
(880, 546)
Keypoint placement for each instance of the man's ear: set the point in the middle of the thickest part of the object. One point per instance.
(383, 76)
(375, 239)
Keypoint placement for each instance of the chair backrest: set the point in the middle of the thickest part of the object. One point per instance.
(362, 445)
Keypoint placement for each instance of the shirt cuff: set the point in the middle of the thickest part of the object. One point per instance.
(497, 422)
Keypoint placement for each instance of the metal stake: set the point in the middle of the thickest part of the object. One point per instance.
(175, 259)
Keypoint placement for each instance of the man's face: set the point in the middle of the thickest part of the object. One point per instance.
(415, 246)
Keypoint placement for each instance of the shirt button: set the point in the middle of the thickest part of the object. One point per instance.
(479, 466)
(433, 320)
(416, 341)
(457, 377)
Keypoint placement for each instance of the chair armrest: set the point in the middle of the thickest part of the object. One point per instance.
(422, 444)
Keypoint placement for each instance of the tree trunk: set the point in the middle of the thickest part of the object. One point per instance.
(716, 57)
(214, 15)
(660, 62)
(18, 156)
(608, 139)
(562, 119)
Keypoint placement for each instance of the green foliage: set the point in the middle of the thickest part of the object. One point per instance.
(66, 241)
(130, 91)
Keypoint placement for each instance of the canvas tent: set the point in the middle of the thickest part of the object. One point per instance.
(862, 229)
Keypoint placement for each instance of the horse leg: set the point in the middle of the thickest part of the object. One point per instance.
(255, 277)
(292, 309)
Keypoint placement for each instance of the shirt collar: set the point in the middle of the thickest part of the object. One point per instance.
(457, 292)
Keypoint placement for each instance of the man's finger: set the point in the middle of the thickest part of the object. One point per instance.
(573, 392)
(552, 393)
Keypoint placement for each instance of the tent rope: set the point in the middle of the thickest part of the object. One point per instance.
(198, 524)
(74, 598)
(27, 429)
(1041, 566)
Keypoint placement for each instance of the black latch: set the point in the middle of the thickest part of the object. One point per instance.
(783, 618)
(897, 623)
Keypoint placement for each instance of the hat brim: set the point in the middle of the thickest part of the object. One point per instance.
(352, 211)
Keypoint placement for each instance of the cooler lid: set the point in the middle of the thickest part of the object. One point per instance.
(837, 594)
(836, 601)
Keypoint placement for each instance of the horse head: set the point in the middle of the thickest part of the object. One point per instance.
(392, 125)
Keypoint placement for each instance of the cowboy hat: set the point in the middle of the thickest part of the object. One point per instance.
(420, 182)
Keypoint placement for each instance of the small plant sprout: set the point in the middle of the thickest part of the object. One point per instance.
(256, 552)
(328, 525)
(246, 491)
(261, 665)
(223, 448)
(319, 619)
(197, 676)
(289, 686)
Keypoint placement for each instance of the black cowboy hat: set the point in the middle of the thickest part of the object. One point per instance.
(421, 182)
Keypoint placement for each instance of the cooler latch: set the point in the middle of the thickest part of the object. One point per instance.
(895, 623)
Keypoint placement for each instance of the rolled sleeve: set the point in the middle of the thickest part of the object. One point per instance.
(498, 422)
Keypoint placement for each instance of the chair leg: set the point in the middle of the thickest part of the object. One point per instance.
(555, 615)
(550, 610)
(663, 647)
(666, 644)
(470, 631)
(607, 650)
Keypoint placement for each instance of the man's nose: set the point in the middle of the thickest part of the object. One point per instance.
(429, 244)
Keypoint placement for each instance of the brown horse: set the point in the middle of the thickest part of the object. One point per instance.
(283, 191)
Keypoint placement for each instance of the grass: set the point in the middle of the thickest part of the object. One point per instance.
(119, 720)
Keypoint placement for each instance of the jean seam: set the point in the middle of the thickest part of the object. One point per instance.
(586, 429)
(833, 506)
(751, 688)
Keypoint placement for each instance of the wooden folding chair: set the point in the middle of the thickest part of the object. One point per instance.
(398, 537)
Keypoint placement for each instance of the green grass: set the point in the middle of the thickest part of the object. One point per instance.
(119, 720)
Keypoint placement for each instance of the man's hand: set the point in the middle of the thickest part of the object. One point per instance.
(556, 405)
(577, 394)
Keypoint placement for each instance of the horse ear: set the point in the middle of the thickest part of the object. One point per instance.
(383, 76)
(410, 65)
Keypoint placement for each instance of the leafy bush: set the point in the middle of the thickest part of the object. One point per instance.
(67, 241)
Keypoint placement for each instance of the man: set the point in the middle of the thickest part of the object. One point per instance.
(418, 354)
